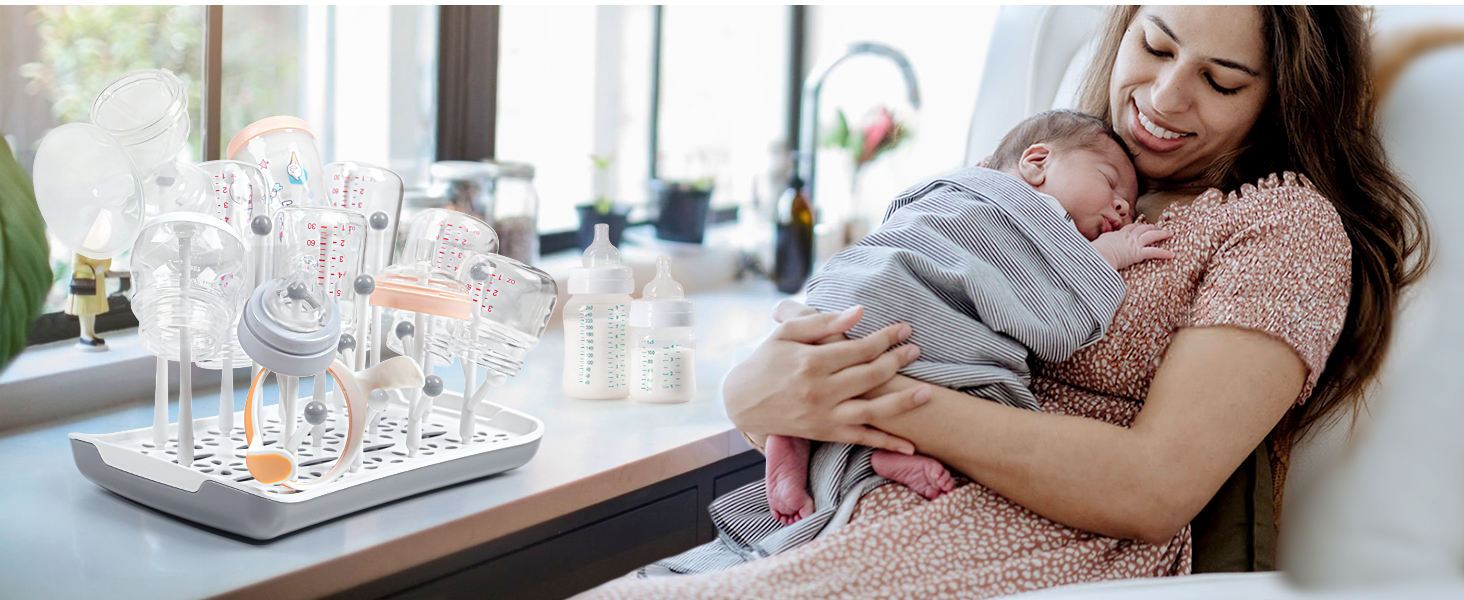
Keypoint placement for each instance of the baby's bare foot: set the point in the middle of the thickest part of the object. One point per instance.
(787, 479)
(923, 474)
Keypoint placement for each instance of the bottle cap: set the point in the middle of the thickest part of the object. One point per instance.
(602, 272)
(662, 302)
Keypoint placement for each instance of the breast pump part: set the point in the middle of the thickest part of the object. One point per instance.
(88, 190)
(662, 302)
(289, 327)
(284, 148)
(602, 272)
(147, 112)
(215, 257)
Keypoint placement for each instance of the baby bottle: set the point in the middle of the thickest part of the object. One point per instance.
(594, 323)
(662, 342)
(284, 148)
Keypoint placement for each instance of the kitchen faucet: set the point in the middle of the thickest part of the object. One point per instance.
(807, 154)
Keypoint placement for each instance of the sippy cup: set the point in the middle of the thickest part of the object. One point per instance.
(189, 272)
(662, 342)
(97, 209)
(284, 148)
(512, 303)
(594, 323)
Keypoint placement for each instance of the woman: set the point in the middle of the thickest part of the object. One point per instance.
(1209, 353)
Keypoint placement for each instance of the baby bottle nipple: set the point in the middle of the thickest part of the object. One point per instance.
(601, 253)
(663, 287)
(296, 305)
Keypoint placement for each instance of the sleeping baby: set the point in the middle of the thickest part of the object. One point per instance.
(990, 267)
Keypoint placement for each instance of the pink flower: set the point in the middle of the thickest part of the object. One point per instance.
(877, 134)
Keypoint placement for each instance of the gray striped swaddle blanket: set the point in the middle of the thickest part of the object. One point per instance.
(987, 273)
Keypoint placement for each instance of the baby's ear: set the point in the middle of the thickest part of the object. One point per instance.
(1033, 165)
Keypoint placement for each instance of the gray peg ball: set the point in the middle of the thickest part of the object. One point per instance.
(296, 291)
(404, 329)
(479, 272)
(365, 284)
(432, 386)
(260, 225)
(379, 220)
(316, 412)
(347, 343)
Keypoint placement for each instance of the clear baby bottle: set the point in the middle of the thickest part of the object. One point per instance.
(662, 341)
(147, 111)
(594, 323)
(331, 242)
(285, 149)
(512, 303)
(375, 192)
(88, 190)
(188, 268)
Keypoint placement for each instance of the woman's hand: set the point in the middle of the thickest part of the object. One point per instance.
(792, 386)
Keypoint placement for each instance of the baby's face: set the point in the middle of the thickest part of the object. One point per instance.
(1097, 186)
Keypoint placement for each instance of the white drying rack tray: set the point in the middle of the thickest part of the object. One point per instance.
(218, 491)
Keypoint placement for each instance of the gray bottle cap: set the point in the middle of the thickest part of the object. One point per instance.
(293, 353)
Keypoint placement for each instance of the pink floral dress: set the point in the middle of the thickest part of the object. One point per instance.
(1271, 257)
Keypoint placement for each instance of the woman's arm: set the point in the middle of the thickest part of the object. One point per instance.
(1218, 392)
(801, 383)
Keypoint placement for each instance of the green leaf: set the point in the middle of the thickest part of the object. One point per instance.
(838, 135)
(25, 275)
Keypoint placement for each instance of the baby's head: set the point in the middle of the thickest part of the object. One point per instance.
(1077, 159)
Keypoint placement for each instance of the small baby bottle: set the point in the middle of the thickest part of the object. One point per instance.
(662, 342)
(594, 323)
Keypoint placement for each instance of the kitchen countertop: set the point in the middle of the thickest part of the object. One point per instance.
(65, 537)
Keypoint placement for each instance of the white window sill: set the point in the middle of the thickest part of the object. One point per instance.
(56, 380)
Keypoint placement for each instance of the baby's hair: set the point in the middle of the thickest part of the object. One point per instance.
(1060, 128)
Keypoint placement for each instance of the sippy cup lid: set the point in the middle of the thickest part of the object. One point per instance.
(289, 327)
(602, 272)
(662, 302)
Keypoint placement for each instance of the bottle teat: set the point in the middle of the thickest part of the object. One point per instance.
(601, 253)
(297, 303)
(602, 272)
(663, 287)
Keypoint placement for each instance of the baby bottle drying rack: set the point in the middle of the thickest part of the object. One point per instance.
(218, 492)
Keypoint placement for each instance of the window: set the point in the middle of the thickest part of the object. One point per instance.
(724, 79)
(56, 59)
(364, 77)
(574, 82)
(946, 47)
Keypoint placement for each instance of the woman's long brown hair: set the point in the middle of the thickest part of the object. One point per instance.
(1319, 121)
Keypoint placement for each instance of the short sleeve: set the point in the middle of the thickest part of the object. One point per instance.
(1287, 274)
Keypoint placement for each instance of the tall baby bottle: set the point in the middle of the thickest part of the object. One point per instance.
(594, 323)
(662, 342)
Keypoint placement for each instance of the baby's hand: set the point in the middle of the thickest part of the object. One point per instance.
(1132, 244)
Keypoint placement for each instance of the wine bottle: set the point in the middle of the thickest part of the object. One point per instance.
(793, 260)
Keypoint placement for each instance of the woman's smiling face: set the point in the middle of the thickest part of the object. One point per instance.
(1188, 84)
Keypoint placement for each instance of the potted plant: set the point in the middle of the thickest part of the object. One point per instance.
(683, 208)
(602, 210)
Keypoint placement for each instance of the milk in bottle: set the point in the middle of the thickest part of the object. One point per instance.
(662, 341)
(594, 323)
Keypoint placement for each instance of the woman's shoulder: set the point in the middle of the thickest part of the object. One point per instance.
(1285, 206)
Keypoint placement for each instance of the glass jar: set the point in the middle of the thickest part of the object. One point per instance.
(515, 211)
(501, 193)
